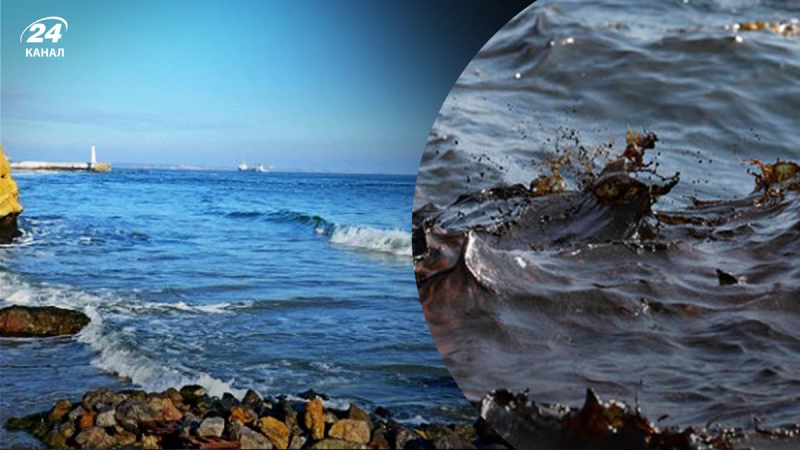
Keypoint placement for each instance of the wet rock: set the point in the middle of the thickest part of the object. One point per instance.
(94, 437)
(134, 394)
(10, 207)
(164, 409)
(277, 431)
(312, 394)
(329, 418)
(402, 436)
(26, 321)
(350, 430)
(105, 418)
(98, 398)
(124, 438)
(243, 414)
(192, 393)
(314, 419)
(76, 413)
(131, 413)
(150, 442)
(249, 438)
(452, 441)
(58, 436)
(356, 413)
(86, 420)
(334, 444)
(213, 426)
(173, 395)
(379, 440)
(297, 442)
(60, 409)
(253, 400)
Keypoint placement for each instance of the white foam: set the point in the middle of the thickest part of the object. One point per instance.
(396, 242)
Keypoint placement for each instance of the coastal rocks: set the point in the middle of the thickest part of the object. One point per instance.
(10, 207)
(25, 321)
(213, 426)
(351, 431)
(315, 419)
(190, 418)
(277, 431)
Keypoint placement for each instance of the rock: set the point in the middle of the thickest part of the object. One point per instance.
(330, 418)
(173, 395)
(192, 393)
(76, 413)
(379, 440)
(94, 437)
(98, 398)
(312, 394)
(134, 394)
(86, 420)
(150, 442)
(212, 426)
(297, 442)
(250, 439)
(452, 441)
(289, 415)
(54, 439)
(165, 410)
(277, 431)
(253, 400)
(314, 419)
(382, 413)
(26, 321)
(243, 414)
(124, 439)
(60, 409)
(334, 444)
(403, 436)
(356, 413)
(105, 418)
(350, 430)
(131, 413)
(10, 207)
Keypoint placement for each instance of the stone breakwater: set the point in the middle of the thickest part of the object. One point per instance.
(190, 418)
(10, 207)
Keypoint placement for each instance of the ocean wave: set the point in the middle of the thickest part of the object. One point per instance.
(116, 354)
(363, 238)
(395, 242)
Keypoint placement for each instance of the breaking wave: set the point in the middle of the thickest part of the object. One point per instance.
(362, 238)
(117, 353)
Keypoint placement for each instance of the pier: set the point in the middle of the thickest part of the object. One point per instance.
(91, 166)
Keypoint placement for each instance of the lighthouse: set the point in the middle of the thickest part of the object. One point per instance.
(94, 155)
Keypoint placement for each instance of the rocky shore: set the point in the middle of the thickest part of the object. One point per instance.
(190, 418)
(10, 207)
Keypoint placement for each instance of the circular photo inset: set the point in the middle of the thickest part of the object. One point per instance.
(607, 226)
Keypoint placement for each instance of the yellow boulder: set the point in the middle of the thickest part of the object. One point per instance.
(9, 201)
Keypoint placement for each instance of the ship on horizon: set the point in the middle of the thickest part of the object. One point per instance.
(243, 167)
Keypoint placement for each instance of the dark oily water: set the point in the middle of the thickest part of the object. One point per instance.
(276, 282)
(631, 284)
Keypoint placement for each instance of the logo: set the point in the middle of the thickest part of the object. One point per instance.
(40, 32)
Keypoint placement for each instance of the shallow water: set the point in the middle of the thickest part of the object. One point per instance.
(635, 318)
(277, 282)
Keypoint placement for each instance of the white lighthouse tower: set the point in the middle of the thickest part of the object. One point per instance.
(94, 155)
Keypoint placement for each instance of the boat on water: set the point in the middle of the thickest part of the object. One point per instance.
(243, 167)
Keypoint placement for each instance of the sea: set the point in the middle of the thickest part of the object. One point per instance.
(642, 320)
(279, 282)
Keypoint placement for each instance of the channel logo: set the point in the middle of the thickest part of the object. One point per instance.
(45, 33)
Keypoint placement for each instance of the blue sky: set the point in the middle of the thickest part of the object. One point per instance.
(343, 85)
